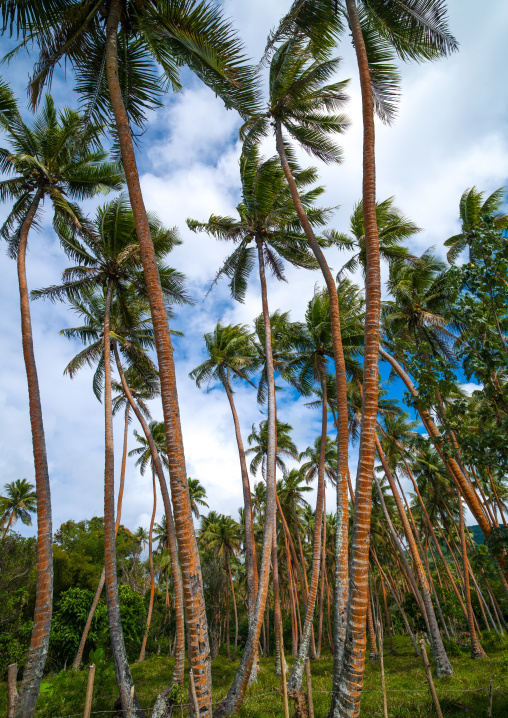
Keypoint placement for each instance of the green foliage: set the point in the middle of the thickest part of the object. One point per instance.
(17, 595)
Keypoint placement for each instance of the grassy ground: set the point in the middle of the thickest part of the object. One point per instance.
(463, 695)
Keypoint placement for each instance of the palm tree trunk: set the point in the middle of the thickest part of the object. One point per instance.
(234, 607)
(86, 630)
(152, 579)
(323, 580)
(38, 650)
(232, 702)
(195, 610)
(178, 670)
(346, 702)
(476, 648)
(342, 516)
(250, 543)
(277, 613)
(296, 677)
(443, 665)
(373, 654)
(122, 670)
(9, 524)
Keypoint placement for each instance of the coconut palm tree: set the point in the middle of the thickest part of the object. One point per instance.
(302, 105)
(412, 30)
(57, 159)
(393, 228)
(143, 387)
(109, 264)
(125, 56)
(268, 228)
(197, 493)
(19, 502)
(231, 355)
(475, 211)
(222, 535)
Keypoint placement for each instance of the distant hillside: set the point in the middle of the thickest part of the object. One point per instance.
(477, 533)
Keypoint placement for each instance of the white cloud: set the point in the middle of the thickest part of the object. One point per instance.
(449, 135)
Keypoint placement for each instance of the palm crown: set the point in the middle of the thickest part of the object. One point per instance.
(58, 157)
(19, 502)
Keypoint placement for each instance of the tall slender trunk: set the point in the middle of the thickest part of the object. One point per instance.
(277, 613)
(232, 702)
(178, 670)
(9, 524)
(443, 665)
(234, 606)
(122, 670)
(323, 580)
(86, 630)
(347, 702)
(39, 642)
(152, 579)
(250, 543)
(342, 512)
(195, 610)
(373, 654)
(476, 648)
(296, 677)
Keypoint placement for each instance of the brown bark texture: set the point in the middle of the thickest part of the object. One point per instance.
(195, 613)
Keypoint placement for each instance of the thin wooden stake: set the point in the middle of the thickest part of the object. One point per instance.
(194, 695)
(429, 678)
(491, 697)
(381, 658)
(89, 691)
(283, 677)
(12, 692)
(131, 702)
(310, 697)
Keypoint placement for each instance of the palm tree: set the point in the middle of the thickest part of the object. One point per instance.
(143, 387)
(19, 502)
(109, 262)
(141, 462)
(231, 355)
(267, 227)
(300, 103)
(197, 493)
(393, 229)
(414, 30)
(475, 211)
(124, 57)
(58, 159)
(222, 535)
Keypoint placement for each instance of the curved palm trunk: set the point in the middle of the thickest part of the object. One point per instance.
(232, 702)
(346, 702)
(122, 670)
(178, 669)
(342, 516)
(443, 665)
(436, 542)
(152, 579)
(452, 467)
(195, 612)
(9, 524)
(476, 648)
(296, 677)
(38, 650)
(86, 630)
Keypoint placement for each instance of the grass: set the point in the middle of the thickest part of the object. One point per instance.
(463, 695)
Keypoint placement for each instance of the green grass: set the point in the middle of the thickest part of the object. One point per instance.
(463, 695)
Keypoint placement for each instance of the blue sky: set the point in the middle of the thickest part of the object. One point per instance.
(450, 134)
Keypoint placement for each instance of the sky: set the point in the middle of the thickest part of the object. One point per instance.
(450, 134)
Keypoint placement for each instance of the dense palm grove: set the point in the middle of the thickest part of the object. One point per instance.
(383, 365)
